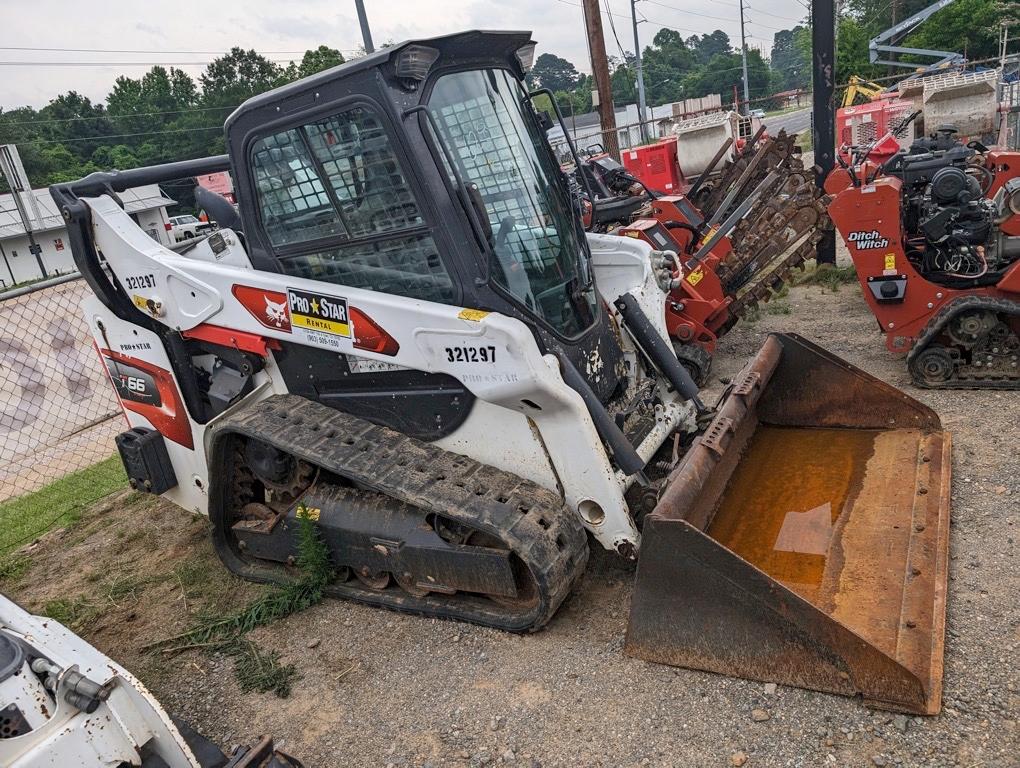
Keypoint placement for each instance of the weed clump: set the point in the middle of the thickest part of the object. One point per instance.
(255, 668)
(829, 277)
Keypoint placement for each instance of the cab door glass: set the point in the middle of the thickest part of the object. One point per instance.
(336, 204)
(538, 257)
(294, 204)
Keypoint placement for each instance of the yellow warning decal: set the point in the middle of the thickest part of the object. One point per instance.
(709, 235)
(695, 277)
(153, 307)
(631, 233)
(474, 315)
(890, 261)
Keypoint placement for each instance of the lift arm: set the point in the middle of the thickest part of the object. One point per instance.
(885, 43)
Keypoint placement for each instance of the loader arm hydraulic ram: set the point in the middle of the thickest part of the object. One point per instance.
(413, 342)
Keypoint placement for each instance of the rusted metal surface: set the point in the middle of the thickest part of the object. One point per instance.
(779, 234)
(262, 755)
(831, 577)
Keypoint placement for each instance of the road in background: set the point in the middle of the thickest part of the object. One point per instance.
(792, 122)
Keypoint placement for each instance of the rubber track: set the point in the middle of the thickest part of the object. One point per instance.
(532, 521)
(939, 322)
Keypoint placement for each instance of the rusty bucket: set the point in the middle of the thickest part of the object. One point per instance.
(804, 538)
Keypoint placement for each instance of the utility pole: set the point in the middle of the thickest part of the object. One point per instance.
(600, 71)
(640, 75)
(823, 122)
(743, 59)
(366, 33)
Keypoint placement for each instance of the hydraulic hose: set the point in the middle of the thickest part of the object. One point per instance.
(695, 232)
(658, 350)
(627, 459)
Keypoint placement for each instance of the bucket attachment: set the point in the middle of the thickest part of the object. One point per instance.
(804, 538)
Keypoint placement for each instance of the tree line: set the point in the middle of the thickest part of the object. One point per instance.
(677, 68)
(163, 116)
(167, 115)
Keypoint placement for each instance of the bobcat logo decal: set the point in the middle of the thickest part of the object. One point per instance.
(276, 312)
(268, 307)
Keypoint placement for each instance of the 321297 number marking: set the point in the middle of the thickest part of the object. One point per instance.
(140, 281)
(471, 354)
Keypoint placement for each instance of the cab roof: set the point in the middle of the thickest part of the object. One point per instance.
(494, 47)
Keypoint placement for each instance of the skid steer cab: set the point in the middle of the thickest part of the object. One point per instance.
(406, 336)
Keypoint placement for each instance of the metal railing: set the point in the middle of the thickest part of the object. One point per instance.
(58, 411)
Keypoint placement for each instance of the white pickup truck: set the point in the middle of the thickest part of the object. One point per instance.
(188, 227)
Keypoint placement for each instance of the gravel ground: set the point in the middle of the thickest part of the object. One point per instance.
(382, 689)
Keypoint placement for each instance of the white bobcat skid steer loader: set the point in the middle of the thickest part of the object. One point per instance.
(63, 703)
(406, 332)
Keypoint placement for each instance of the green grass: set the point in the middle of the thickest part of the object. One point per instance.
(12, 568)
(258, 670)
(777, 307)
(255, 668)
(202, 578)
(77, 614)
(58, 504)
(830, 277)
(81, 612)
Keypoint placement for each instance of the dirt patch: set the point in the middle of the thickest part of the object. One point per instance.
(376, 688)
(132, 570)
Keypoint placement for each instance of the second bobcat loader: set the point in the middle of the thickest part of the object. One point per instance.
(406, 335)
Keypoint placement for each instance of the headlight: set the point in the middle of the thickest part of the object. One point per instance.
(526, 56)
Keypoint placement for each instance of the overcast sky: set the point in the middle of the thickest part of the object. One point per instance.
(188, 34)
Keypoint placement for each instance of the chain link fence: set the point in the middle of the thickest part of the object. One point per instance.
(1010, 99)
(58, 411)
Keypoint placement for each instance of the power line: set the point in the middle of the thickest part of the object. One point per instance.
(616, 37)
(650, 21)
(122, 135)
(121, 116)
(801, 20)
(709, 16)
(684, 10)
(150, 51)
(118, 63)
